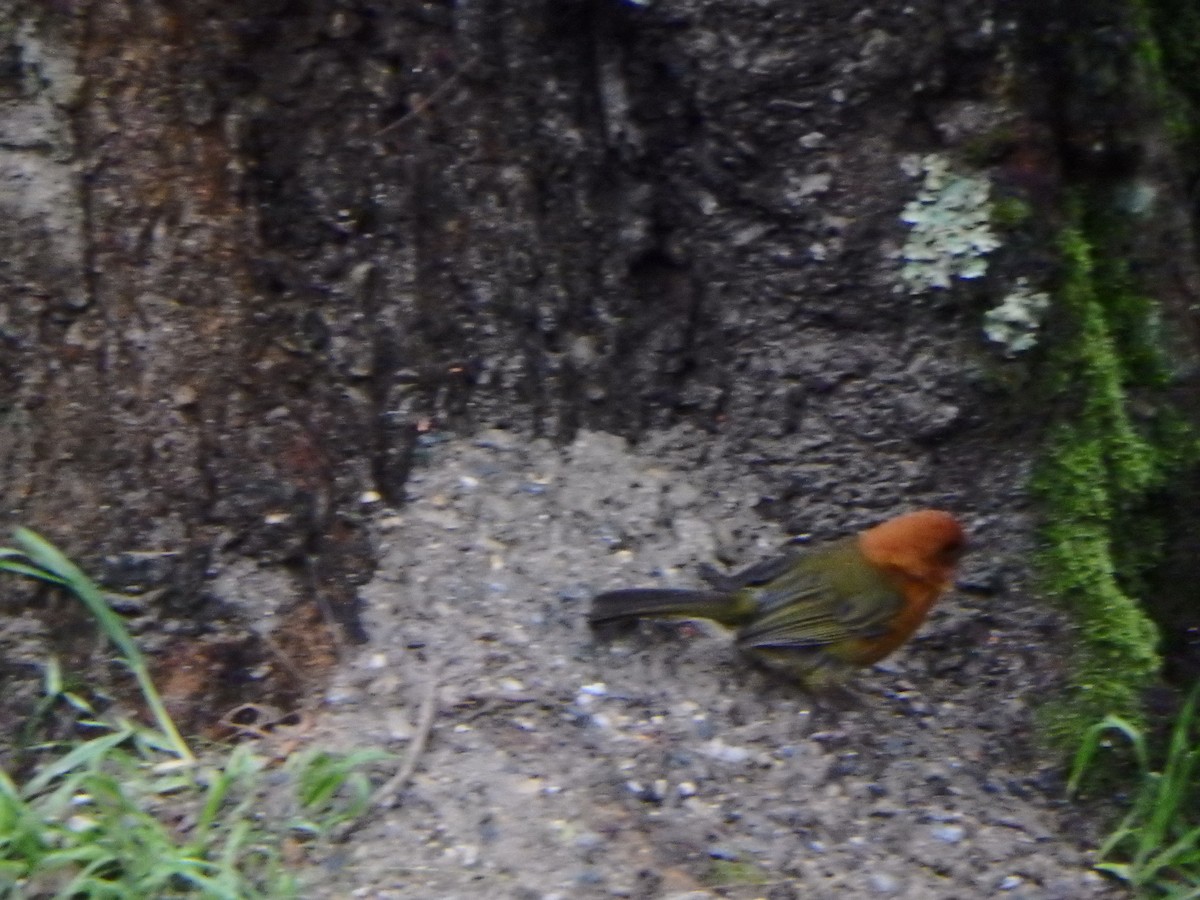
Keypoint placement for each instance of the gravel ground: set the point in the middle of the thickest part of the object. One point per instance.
(661, 764)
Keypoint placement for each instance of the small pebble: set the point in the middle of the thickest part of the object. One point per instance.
(654, 793)
(590, 877)
(468, 855)
(950, 834)
(719, 750)
(589, 840)
(882, 883)
(78, 824)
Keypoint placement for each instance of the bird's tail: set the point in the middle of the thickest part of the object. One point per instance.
(666, 603)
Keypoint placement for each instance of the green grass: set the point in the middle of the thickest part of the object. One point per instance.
(132, 812)
(37, 558)
(1156, 846)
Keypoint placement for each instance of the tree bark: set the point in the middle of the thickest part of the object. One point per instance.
(264, 253)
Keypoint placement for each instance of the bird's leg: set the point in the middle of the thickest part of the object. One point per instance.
(759, 573)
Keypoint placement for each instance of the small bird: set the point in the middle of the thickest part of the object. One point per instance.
(853, 601)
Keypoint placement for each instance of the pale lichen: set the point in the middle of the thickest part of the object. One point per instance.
(951, 234)
(1015, 322)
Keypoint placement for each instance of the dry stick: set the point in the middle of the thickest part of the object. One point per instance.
(386, 794)
(429, 99)
(331, 622)
(285, 660)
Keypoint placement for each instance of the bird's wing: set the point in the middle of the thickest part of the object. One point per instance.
(815, 605)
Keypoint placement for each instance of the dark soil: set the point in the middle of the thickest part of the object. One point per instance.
(661, 763)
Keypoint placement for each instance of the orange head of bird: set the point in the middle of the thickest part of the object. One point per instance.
(923, 546)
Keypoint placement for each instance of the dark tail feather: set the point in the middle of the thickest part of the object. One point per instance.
(613, 606)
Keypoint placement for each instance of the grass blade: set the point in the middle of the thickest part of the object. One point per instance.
(62, 571)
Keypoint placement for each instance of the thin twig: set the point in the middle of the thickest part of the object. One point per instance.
(386, 794)
(323, 604)
(285, 659)
(431, 98)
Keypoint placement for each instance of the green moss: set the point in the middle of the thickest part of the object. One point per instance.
(1169, 49)
(988, 148)
(1010, 212)
(1099, 472)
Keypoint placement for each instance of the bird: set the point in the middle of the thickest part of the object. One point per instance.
(848, 603)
